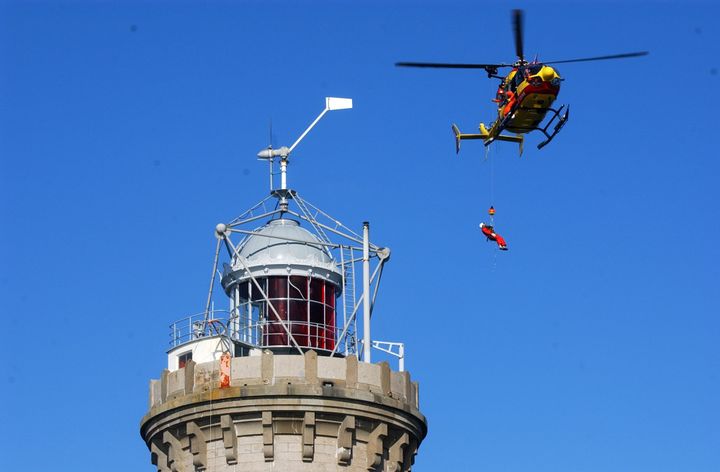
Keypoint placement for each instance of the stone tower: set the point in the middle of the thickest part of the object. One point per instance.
(282, 380)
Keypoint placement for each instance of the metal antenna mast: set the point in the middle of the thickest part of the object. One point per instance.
(331, 103)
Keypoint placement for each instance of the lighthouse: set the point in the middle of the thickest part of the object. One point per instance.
(282, 377)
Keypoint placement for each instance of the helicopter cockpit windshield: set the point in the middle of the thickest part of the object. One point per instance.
(533, 69)
(517, 80)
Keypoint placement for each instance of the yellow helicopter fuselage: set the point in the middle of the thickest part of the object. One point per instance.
(525, 96)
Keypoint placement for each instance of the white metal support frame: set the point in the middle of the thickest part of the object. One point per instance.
(366, 292)
(390, 348)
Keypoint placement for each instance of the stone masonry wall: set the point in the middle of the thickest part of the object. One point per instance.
(269, 369)
(284, 413)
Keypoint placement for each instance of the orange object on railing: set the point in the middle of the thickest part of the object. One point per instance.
(225, 370)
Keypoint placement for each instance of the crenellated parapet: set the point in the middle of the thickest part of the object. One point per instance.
(284, 412)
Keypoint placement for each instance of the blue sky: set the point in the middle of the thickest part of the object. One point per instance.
(128, 130)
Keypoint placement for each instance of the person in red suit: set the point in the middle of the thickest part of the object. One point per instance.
(490, 233)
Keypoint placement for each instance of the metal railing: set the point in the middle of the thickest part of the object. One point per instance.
(272, 334)
(260, 334)
(195, 327)
(268, 334)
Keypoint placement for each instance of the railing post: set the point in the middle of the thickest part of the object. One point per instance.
(401, 355)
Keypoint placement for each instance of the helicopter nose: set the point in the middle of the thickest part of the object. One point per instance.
(547, 73)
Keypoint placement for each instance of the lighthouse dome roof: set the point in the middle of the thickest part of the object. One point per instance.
(282, 248)
(283, 241)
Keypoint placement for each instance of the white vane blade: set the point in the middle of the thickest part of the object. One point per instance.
(334, 103)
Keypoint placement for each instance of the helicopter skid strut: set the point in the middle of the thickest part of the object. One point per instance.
(561, 122)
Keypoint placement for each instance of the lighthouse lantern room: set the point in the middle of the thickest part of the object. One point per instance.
(300, 281)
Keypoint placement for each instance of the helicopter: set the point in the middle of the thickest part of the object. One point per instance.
(525, 95)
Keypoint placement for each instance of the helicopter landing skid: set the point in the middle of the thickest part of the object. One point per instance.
(561, 122)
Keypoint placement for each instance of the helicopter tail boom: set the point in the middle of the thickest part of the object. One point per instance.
(460, 136)
(485, 136)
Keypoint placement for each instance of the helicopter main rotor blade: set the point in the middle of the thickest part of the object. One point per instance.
(600, 58)
(518, 29)
(445, 65)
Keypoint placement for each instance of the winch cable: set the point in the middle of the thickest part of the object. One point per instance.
(489, 157)
(491, 211)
